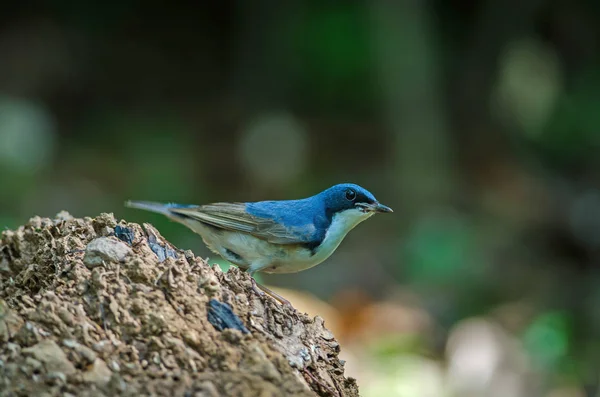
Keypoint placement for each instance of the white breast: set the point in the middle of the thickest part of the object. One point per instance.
(303, 259)
(341, 224)
(261, 255)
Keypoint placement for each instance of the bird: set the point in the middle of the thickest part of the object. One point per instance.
(282, 236)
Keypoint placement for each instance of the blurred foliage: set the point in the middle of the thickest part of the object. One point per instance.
(547, 340)
(477, 122)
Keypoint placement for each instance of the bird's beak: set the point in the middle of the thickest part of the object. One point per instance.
(375, 207)
(382, 208)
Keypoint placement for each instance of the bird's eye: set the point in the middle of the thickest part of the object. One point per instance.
(350, 194)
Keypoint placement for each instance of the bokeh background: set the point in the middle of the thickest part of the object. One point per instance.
(477, 121)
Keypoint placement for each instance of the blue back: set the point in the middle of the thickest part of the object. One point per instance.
(314, 212)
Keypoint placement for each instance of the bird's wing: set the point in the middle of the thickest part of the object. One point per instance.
(234, 217)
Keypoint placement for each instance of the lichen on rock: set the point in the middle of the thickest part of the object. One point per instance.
(100, 307)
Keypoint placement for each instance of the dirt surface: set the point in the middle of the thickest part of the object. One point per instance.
(89, 307)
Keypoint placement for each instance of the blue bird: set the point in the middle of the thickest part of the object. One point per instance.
(285, 236)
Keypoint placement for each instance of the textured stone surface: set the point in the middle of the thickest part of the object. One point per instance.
(127, 320)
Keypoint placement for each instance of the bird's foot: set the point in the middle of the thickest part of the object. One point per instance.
(261, 290)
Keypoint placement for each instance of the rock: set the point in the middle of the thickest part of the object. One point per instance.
(222, 317)
(85, 352)
(125, 234)
(145, 327)
(55, 377)
(33, 363)
(98, 373)
(206, 389)
(51, 355)
(10, 322)
(114, 366)
(63, 216)
(105, 249)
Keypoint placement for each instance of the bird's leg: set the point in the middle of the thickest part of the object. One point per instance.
(273, 295)
(255, 287)
(261, 290)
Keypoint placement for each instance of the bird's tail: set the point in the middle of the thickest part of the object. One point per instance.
(159, 208)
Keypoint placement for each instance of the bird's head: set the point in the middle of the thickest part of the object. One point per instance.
(351, 199)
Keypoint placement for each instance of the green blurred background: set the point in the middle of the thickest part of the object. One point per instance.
(478, 122)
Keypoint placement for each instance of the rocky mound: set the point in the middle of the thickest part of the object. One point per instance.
(92, 307)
